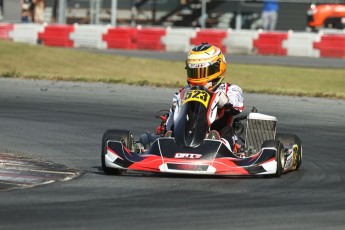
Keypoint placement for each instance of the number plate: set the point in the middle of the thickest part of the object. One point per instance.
(197, 95)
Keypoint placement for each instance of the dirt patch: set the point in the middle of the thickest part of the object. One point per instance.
(17, 172)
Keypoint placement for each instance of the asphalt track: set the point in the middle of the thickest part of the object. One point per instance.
(63, 122)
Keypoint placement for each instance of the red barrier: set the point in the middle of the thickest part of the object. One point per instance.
(57, 35)
(211, 36)
(150, 38)
(121, 38)
(331, 45)
(270, 43)
(4, 30)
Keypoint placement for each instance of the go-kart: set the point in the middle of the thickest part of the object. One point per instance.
(193, 148)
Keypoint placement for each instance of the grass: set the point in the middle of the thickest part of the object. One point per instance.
(292, 80)
(38, 62)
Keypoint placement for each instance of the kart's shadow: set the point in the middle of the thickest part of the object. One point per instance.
(128, 173)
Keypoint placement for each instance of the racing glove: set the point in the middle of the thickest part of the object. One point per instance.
(223, 99)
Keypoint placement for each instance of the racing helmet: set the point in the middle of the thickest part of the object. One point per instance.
(206, 66)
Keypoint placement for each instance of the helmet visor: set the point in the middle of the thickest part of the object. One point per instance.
(202, 71)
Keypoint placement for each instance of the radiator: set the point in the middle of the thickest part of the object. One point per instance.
(260, 127)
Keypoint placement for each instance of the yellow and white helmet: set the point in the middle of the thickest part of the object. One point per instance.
(205, 66)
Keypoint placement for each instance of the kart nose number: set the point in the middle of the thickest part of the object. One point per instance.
(197, 95)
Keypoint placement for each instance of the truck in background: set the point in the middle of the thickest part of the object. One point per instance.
(326, 16)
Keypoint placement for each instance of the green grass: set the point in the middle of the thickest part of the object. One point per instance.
(292, 80)
(39, 62)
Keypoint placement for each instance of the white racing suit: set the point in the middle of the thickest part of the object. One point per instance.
(234, 106)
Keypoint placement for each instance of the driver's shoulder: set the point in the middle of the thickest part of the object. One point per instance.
(228, 88)
(234, 88)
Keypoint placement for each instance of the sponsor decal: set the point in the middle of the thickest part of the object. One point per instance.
(222, 87)
(188, 155)
(198, 65)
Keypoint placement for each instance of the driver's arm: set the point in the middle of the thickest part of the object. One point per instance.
(231, 95)
(170, 120)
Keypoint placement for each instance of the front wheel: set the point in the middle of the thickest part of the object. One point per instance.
(125, 137)
(280, 159)
(292, 141)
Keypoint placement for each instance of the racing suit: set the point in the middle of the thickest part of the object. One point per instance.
(233, 106)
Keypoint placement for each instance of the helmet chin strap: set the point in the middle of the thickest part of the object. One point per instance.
(212, 85)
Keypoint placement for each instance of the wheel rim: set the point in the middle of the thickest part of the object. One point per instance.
(296, 156)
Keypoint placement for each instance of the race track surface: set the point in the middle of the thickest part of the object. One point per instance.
(63, 122)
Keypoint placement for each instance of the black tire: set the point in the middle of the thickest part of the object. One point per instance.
(117, 135)
(289, 140)
(280, 158)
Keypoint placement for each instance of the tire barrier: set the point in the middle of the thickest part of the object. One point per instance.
(178, 40)
(212, 36)
(331, 45)
(301, 44)
(322, 44)
(27, 33)
(150, 39)
(270, 43)
(240, 41)
(57, 35)
(5, 30)
(121, 38)
(89, 36)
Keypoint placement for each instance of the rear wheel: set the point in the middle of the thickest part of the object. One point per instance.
(116, 135)
(292, 141)
(280, 159)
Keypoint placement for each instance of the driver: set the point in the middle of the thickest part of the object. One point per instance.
(206, 66)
